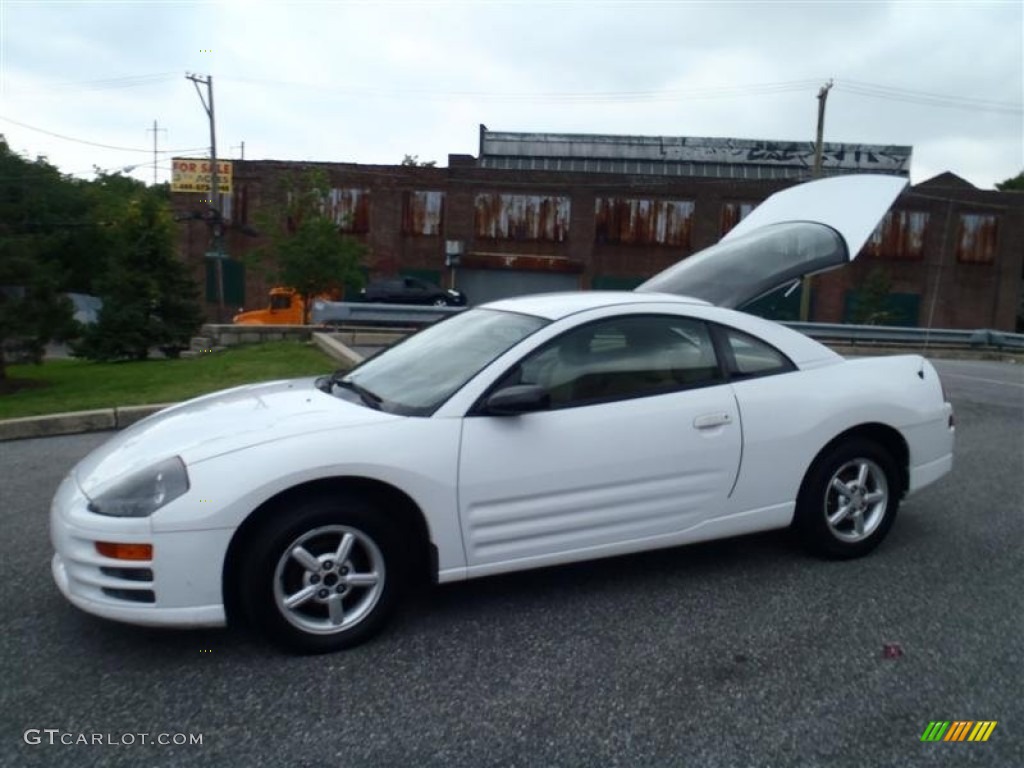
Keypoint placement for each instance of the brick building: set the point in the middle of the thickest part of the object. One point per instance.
(537, 212)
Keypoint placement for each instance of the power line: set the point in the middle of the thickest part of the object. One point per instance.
(855, 87)
(553, 96)
(927, 99)
(929, 94)
(95, 143)
(130, 81)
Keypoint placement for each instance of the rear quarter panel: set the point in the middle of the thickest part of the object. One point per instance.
(787, 419)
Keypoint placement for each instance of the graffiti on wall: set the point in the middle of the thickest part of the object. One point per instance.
(861, 157)
(878, 158)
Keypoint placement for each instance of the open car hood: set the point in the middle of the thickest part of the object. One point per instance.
(809, 228)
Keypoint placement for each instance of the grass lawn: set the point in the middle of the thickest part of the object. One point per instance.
(77, 385)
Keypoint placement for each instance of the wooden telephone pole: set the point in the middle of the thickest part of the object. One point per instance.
(819, 148)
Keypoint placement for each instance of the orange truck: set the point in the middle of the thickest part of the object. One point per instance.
(286, 308)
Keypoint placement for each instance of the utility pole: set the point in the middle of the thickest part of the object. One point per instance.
(819, 144)
(155, 129)
(214, 188)
(236, 146)
(819, 148)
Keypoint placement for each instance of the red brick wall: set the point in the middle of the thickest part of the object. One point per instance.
(965, 295)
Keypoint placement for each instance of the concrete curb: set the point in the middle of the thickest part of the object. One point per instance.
(54, 424)
(73, 423)
(333, 347)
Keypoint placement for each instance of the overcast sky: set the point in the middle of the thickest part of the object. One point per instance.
(370, 82)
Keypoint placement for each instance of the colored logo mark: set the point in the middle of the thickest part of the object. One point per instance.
(959, 730)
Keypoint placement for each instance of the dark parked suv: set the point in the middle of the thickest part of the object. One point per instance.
(412, 290)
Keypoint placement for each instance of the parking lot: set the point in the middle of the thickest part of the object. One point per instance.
(737, 653)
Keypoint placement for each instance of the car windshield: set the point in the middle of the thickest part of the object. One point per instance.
(415, 377)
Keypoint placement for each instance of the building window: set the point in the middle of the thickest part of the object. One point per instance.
(733, 214)
(522, 217)
(629, 221)
(900, 235)
(350, 209)
(422, 213)
(976, 238)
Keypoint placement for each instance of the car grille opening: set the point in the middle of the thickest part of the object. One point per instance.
(128, 574)
(132, 595)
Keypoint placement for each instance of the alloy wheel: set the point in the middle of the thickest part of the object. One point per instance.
(856, 498)
(329, 579)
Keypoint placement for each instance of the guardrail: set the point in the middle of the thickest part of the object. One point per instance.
(397, 315)
(924, 337)
(356, 313)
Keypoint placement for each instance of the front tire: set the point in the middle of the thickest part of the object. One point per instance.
(322, 574)
(848, 500)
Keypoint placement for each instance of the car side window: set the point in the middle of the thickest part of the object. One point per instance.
(754, 357)
(621, 358)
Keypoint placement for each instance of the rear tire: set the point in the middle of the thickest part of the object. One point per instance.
(848, 500)
(322, 574)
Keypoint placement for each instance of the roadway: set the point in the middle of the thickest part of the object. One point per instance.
(737, 653)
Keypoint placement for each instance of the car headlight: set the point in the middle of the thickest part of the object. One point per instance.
(142, 494)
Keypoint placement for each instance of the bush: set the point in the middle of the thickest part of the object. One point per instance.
(148, 298)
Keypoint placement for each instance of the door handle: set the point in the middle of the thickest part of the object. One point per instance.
(709, 420)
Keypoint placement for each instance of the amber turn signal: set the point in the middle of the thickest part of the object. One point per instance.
(125, 551)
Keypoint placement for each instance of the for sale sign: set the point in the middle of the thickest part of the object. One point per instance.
(194, 175)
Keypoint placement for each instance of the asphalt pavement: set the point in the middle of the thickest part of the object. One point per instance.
(737, 653)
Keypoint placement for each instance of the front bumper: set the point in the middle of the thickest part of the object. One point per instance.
(180, 586)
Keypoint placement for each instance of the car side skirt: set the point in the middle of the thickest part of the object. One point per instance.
(739, 524)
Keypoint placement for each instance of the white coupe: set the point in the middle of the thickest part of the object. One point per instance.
(524, 433)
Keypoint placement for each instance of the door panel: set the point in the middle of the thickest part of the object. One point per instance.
(596, 475)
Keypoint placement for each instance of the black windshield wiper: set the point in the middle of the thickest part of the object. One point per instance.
(370, 399)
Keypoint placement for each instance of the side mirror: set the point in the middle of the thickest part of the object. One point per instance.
(522, 398)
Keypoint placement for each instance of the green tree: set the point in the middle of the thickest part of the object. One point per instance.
(148, 298)
(414, 160)
(35, 200)
(307, 250)
(871, 305)
(1014, 184)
